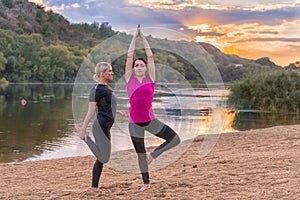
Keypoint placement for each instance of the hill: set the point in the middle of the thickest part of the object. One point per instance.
(23, 17)
(18, 14)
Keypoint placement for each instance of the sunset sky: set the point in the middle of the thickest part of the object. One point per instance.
(250, 29)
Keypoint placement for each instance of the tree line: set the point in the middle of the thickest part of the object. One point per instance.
(26, 58)
(31, 58)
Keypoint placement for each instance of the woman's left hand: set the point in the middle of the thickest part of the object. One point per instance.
(123, 113)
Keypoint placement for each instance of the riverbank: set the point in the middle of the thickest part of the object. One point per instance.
(255, 164)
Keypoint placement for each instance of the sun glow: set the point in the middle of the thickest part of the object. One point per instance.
(223, 118)
(230, 50)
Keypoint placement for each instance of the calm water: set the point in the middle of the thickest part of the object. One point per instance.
(44, 127)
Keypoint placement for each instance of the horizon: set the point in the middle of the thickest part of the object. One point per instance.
(268, 28)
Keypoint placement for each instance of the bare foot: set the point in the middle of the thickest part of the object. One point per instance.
(95, 189)
(144, 187)
(149, 158)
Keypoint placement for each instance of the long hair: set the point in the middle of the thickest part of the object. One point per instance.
(99, 69)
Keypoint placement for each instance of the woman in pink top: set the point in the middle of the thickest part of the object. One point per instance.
(140, 82)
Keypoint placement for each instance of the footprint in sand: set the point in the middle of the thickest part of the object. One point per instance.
(297, 143)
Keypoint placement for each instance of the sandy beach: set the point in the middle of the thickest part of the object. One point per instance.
(255, 164)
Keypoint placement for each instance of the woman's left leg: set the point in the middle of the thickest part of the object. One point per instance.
(137, 137)
(163, 131)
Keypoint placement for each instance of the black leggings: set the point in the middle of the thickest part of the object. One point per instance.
(101, 148)
(155, 127)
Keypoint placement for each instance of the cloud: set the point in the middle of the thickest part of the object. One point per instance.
(259, 5)
(275, 39)
(40, 2)
(167, 13)
(98, 17)
(238, 16)
(75, 5)
(118, 13)
(287, 31)
(254, 40)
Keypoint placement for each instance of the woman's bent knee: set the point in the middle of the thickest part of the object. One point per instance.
(105, 159)
(176, 140)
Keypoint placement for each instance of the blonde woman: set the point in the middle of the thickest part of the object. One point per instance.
(103, 99)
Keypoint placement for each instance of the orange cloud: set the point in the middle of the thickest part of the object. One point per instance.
(254, 40)
(225, 5)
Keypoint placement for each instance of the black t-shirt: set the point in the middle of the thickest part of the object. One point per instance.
(106, 101)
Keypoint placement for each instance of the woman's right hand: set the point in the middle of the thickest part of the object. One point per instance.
(83, 135)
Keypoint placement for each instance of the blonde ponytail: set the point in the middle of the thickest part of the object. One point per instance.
(95, 77)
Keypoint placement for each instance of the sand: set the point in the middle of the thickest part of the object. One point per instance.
(255, 164)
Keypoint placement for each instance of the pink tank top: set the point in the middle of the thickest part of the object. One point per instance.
(140, 98)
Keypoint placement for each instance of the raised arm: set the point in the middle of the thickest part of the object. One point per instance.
(130, 53)
(150, 59)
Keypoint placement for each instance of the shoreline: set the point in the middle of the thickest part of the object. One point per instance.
(254, 164)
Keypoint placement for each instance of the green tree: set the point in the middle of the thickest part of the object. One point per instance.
(57, 63)
(3, 61)
(105, 30)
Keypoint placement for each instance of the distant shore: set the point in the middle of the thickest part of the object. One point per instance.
(255, 164)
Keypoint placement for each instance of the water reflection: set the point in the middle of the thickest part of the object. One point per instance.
(246, 120)
(26, 130)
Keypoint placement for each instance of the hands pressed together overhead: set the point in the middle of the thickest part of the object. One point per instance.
(138, 32)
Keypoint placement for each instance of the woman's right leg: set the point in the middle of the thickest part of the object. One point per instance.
(97, 170)
(101, 148)
(137, 136)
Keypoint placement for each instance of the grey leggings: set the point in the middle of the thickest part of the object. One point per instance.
(101, 148)
(157, 128)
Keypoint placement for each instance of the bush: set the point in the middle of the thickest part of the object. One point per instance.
(276, 92)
